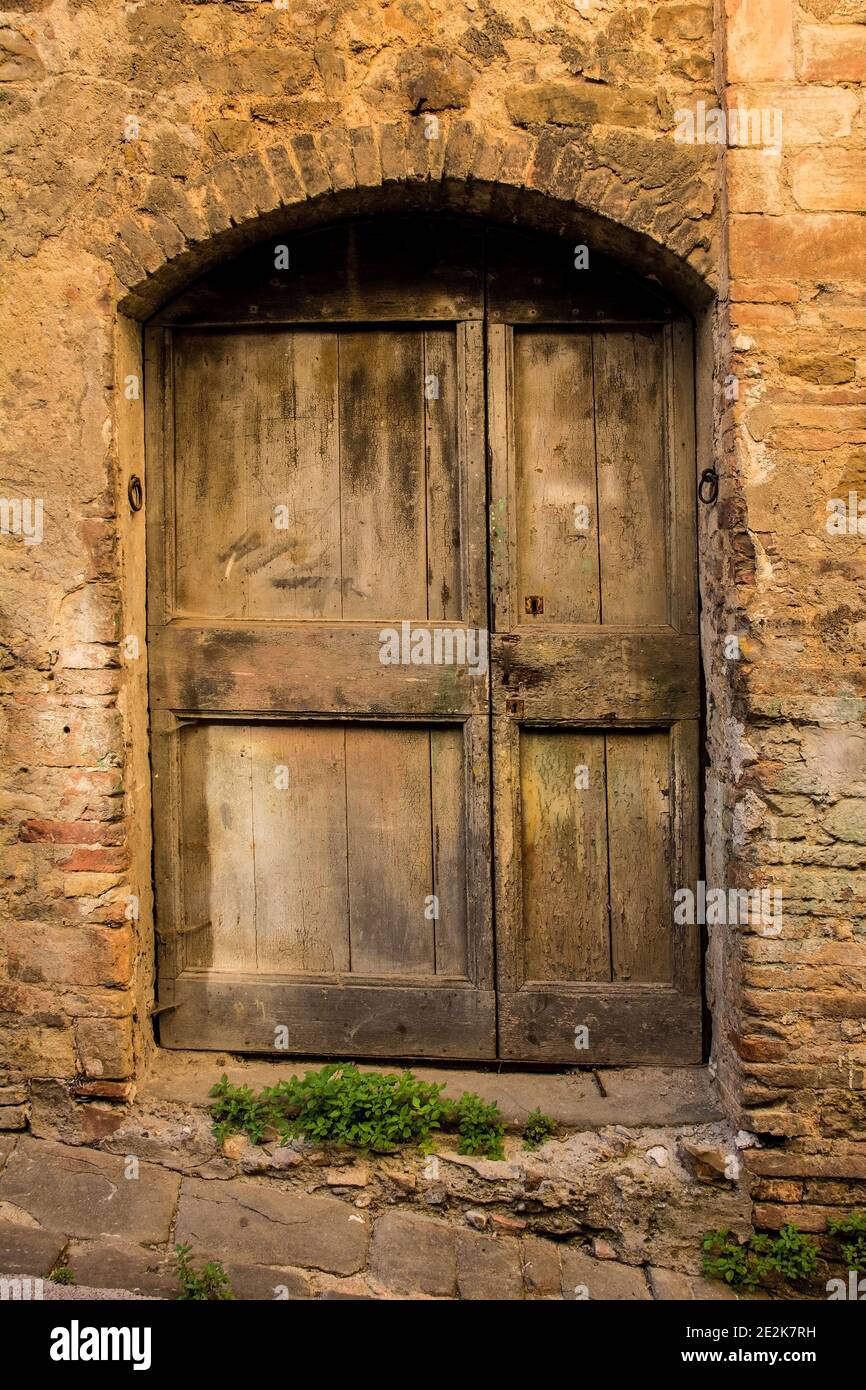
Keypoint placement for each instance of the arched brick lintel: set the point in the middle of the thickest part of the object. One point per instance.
(543, 181)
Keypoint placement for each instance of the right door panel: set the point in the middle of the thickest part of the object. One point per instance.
(595, 687)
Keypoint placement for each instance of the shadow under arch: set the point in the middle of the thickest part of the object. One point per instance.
(634, 253)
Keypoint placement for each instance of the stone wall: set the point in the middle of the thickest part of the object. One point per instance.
(791, 732)
(148, 140)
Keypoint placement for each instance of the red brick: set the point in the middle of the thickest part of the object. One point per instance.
(41, 954)
(94, 860)
(784, 1163)
(833, 53)
(64, 832)
(104, 1047)
(807, 246)
(760, 40)
(830, 180)
(769, 1216)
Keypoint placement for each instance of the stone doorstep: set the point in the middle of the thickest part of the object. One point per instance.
(635, 1096)
(329, 1213)
(276, 1242)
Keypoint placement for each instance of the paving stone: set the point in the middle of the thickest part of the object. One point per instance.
(603, 1279)
(266, 1283)
(329, 1287)
(24, 1250)
(335, 1296)
(77, 1293)
(260, 1224)
(414, 1254)
(85, 1193)
(668, 1284)
(541, 1272)
(715, 1289)
(488, 1267)
(107, 1264)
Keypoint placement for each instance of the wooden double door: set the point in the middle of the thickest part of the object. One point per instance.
(422, 639)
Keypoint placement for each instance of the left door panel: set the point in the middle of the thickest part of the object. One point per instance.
(315, 506)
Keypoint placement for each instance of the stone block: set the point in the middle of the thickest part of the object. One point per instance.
(267, 1283)
(602, 1279)
(488, 1267)
(760, 35)
(259, 1224)
(414, 1254)
(85, 1193)
(28, 1250)
(107, 1264)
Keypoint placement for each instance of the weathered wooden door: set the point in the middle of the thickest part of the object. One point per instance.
(322, 711)
(322, 790)
(595, 663)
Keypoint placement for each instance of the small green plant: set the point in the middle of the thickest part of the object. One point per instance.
(366, 1110)
(62, 1275)
(790, 1254)
(538, 1127)
(236, 1110)
(208, 1284)
(853, 1224)
(726, 1259)
(479, 1125)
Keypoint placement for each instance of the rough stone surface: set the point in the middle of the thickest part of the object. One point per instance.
(24, 1250)
(396, 1242)
(258, 1224)
(488, 1267)
(263, 1283)
(115, 1264)
(586, 1278)
(309, 1246)
(82, 1192)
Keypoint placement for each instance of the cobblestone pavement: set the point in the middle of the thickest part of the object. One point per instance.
(114, 1221)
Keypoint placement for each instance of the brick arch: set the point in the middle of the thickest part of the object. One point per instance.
(548, 181)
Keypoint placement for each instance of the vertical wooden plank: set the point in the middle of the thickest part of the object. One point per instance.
(479, 851)
(557, 522)
(193, 869)
(632, 483)
(291, 547)
(210, 480)
(388, 813)
(472, 456)
(167, 861)
(449, 849)
(444, 584)
(159, 446)
(502, 503)
(217, 846)
(507, 839)
(564, 851)
(299, 823)
(685, 820)
(682, 469)
(382, 475)
(639, 848)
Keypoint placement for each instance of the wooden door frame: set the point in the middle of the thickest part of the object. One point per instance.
(155, 717)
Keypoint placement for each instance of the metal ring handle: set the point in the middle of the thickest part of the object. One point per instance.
(135, 493)
(708, 487)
